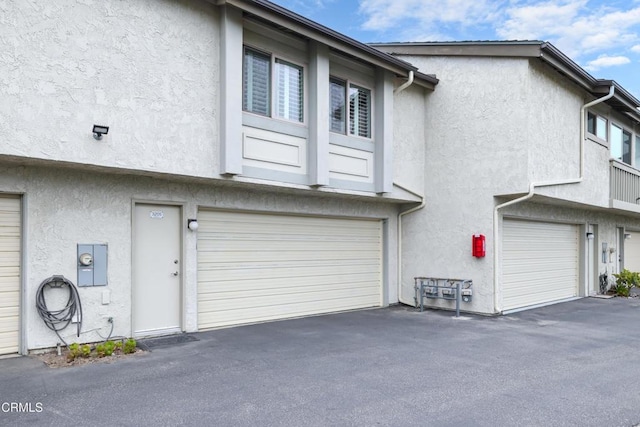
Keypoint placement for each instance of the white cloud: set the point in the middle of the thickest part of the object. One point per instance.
(604, 61)
(577, 27)
(533, 22)
(636, 48)
(382, 15)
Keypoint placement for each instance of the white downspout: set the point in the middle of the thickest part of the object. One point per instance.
(399, 255)
(530, 194)
(397, 90)
(404, 85)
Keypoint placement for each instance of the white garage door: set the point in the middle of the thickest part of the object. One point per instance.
(632, 251)
(255, 267)
(9, 274)
(539, 263)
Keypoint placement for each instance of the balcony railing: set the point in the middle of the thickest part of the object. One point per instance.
(624, 183)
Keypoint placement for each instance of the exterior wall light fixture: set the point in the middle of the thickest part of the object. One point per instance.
(627, 236)
(192, 224)
(590, 236)
(98, 131)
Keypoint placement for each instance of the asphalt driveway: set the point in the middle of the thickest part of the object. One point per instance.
(573, 364)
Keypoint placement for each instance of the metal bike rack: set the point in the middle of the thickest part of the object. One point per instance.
(458, 290)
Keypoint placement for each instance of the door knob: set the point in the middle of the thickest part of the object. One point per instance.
(174, 274)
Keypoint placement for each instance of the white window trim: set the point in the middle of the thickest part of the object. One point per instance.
(274, 88)
(348, 82)
(632, 142)
(272, 102)
(593, 137)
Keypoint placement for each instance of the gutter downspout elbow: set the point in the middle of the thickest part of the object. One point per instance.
(404, 85)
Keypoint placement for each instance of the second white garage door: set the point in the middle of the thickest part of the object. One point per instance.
(632, 251)
(539, 263)
(254, 267)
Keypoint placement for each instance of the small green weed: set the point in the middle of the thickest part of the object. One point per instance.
(625, 280)
(109, 348)
(100, 350)
(129, 346)
(85, 351)
(74, 352)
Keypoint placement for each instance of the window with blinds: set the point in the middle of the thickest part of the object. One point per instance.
(337, 97)
(359, 111)
(256, 82)
(359, 120)
(288, 91)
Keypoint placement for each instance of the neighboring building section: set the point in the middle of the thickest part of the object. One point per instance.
(517, 150)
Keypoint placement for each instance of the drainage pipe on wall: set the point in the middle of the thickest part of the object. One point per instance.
(530, 194)
(404, 85)
(399, 256)
(408, 211)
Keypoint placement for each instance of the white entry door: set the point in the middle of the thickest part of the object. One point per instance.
(157, 270)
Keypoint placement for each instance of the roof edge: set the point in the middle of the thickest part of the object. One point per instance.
(521, 49)
(280, 15)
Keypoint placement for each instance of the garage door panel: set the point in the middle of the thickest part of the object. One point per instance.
(252, 258)
(257, 267)
(230, 273)
(248, 315)
(9, 299)
(278, 283)
(287, 245)
(9, 274)
(632, 251)
(233, 290)
(9, 342)
(539, 262)
(230, 301)
(254, 224)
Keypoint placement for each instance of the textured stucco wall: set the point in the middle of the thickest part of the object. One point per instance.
(553, 111)
(65, 207)
(474, 149)
(147, 68)
(492, 126)
(409, 143)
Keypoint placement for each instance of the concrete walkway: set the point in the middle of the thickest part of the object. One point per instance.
(573, 364)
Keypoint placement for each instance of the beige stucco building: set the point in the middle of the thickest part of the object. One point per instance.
(323, 174)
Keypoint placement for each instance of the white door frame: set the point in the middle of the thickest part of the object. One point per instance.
(181, 271)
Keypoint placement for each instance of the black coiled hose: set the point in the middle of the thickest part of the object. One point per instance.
(57, 320)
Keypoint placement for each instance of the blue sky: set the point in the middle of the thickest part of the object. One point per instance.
(602, 36)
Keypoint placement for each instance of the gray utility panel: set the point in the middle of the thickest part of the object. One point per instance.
(92, 265)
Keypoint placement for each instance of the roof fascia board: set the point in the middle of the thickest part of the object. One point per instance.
(621, 95)
(568, 71)
(524, 49)
(312, 30)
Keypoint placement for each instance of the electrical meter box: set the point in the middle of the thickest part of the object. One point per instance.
(92, 265)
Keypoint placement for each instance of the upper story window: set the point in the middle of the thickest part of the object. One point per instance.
(621, 144)
(620, 139)
(281, 96)
(597, 125)
(358, 119)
